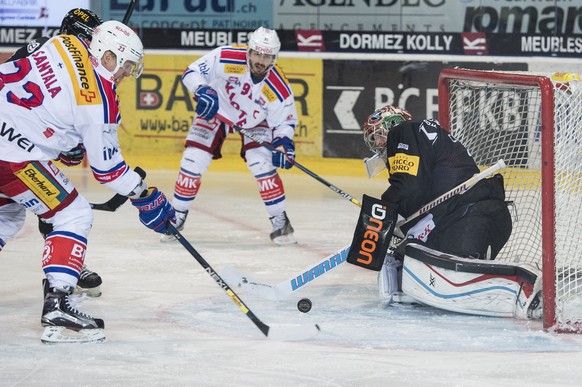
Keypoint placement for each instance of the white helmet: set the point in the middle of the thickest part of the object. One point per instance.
(118, 38)
(264, 41)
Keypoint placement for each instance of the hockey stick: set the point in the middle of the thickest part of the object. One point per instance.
(458, 190)
(278, 333)
(308, 275)
(129, 11)
(259, 141)
(286, 288)
(117, 200)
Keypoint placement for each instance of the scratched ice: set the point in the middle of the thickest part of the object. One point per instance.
(168, 323)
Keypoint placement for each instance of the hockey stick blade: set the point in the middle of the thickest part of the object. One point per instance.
(290, 333)
(291, 285)
(238, 279)
(117, 200)
(293, 333)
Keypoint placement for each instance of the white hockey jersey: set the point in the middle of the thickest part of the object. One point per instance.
(242, 101)
(56, 98)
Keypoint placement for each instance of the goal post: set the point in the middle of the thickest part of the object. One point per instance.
(534, 123)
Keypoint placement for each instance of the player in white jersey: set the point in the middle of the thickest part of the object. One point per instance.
(60, 96)
(242, 86)
(79, 22)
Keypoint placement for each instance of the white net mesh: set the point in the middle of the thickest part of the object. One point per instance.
(496, 120)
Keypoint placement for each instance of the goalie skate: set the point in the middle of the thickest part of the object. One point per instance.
(282, 233)
(64, 323)
(89, 283)
(180, 220)
(390, 282)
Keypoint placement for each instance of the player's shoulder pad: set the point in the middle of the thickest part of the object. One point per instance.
(35, 44)
(89, 87)
(233, 59)
(277, 84)
(233, 55)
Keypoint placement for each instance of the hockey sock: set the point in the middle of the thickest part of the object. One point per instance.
(186, 189)
(64, 253)
(272, 192)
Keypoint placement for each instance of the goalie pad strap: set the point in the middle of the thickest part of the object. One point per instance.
(373, 233)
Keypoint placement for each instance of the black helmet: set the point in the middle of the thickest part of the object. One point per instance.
(80, 22)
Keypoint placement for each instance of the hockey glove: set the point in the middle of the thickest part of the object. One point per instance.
(154, 210)
(285, 155)
(207, 99)
(73, 157)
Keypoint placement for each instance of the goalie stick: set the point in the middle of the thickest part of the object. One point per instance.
(458, 190)
(292, 333)
(285, 289)
(250, 135)
(296, 282)
(117, 200)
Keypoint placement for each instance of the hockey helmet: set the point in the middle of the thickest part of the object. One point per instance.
(379, 123)
(265, 41)
(121, 40)
(80, 22)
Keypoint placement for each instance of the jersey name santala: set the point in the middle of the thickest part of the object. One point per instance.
(46, 72)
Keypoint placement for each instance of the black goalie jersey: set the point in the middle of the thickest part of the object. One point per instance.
(424, 162)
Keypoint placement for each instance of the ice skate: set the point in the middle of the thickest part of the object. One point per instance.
(536, 307)
(89, 283)
(282, 233)
(64, 323)
(180, 220)
(390, 282)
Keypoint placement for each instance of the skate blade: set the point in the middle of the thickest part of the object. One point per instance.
(285, 240)
(62, 335)
(89, 292)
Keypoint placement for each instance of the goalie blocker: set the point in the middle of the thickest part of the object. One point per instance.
(471, 286)
(373, 233)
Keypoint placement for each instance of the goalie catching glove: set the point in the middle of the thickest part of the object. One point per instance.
(284, 157)
(373, 233)
(207, 99)
(154, 210)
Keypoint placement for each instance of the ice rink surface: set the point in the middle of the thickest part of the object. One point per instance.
(168, 323)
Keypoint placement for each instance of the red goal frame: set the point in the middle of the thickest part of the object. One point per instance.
(547, 169)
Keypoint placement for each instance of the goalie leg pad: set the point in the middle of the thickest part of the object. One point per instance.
(469, 286)
(373, 233)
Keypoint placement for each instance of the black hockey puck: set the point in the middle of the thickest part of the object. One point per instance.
(304, 305)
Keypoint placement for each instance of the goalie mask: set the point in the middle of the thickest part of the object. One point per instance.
(264, 45)
(80, 22)
(118, 38)
(378, 125)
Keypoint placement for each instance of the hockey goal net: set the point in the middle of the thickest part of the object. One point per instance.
(534, 123)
